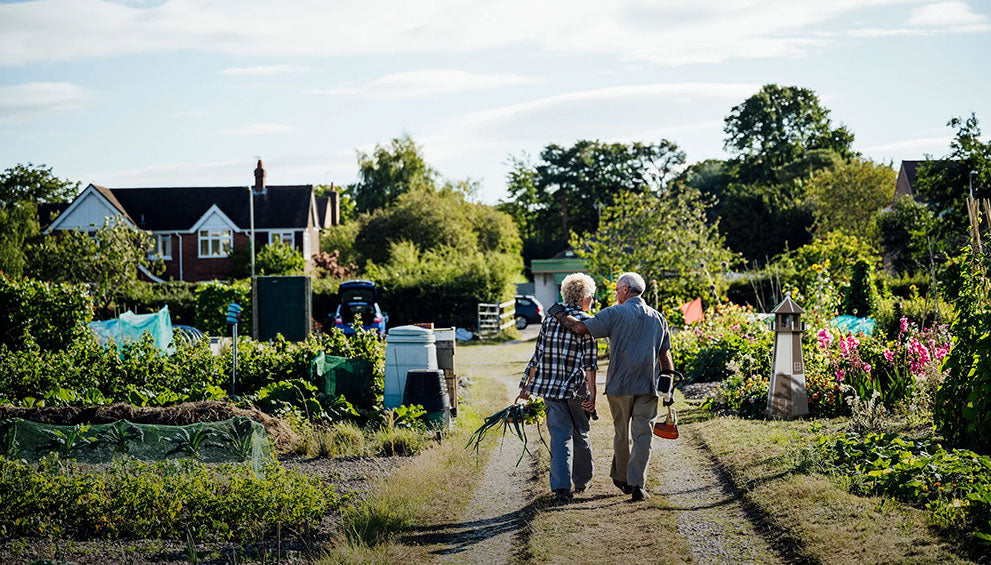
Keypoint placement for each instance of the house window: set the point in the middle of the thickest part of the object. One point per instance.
(161, 247)
(216, 243)
(286, 237)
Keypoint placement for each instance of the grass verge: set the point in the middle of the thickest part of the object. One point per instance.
(410, 495)
(814, 514)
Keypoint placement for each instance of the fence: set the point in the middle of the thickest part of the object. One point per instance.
(493, 318)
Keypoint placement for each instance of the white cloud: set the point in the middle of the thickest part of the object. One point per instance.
(266, 70)
(258, 129)
(911, 148)
(429, 82)
(669, 33)
(29, 100)
(670, 93)
(946, 14)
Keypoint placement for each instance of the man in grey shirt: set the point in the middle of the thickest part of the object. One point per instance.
(640, 349)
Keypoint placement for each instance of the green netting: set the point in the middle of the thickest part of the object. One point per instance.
(335, 376)
(130, 327)
(235, 440)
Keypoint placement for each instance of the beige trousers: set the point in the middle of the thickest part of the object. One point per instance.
(633, 417)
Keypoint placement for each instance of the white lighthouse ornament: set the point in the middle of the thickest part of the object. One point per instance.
(787, 397)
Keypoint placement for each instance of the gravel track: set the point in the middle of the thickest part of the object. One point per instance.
(710, 515)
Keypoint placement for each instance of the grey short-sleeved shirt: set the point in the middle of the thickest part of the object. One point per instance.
(637, 334)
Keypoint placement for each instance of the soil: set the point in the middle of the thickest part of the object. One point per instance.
(179, 415)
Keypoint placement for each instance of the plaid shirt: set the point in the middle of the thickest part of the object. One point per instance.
(561, 359)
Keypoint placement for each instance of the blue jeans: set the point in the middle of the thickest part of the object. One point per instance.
(571, 456)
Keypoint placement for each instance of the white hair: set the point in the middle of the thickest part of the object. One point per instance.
(633, 281)
(575, 287)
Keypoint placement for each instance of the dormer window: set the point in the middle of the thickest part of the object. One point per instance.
(216, 242)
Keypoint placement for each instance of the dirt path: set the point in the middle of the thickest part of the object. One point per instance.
(489, 530)
(708, 511)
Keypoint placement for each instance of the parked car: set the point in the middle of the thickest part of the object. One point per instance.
(358, 297)
(529, 310)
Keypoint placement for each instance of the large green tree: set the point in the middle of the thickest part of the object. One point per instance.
(849, 196)
(566, 189)
(107, 259)
(665, 238)
(18, 224)
(944, 184)
(776, 126)
(34, 183)
(389, 171)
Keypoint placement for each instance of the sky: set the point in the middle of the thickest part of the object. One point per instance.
(132, 93)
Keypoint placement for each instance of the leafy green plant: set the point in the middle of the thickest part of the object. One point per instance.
(238, 437)
(190, 443)
(406, 416)
(119, 437)
(65, 442)
(515, 417)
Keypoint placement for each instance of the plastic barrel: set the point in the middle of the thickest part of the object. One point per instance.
(428, 388)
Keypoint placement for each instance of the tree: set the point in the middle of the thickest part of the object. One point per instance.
(944, 184)
(762, 221)
(18, 224)
(107, 259)
(344, 199)
(775, 126)
(905, 235)
(849, 197)
(34, 183)
(277, 258)
(663, 238)
(388, 172)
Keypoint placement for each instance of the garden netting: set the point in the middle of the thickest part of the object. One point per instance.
(335, 376)
(853, 324)
(235, 440)
(129, 327)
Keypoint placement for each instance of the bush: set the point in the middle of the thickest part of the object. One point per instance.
(143, 297)
(705, 351)
(443, 286)
(50, 315)
(166, 499)
(277, 258)
(862, 297)
(212, 299)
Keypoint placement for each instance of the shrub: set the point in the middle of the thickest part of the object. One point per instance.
(143, 297)
(50, 315)
(705, 351)
(132, 499)
(211, 305)
(277, 258)
(862, 297)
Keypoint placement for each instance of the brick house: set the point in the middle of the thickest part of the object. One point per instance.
(196, 230)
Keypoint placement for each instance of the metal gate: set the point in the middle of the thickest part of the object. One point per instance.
(493, 318)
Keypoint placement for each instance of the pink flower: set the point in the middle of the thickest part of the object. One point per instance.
(840, 374)
(734, 327)
(825, 338)
(888, 355)
(903, 324)
(867, 367)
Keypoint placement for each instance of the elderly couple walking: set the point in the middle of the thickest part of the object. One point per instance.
(562, 371)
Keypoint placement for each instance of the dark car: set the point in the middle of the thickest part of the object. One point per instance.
(358, 297)
(529, 310)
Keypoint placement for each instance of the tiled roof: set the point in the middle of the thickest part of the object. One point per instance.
(48, 211)
(178, 208)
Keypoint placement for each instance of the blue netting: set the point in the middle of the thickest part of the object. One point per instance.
(854, 324)
(130, 327)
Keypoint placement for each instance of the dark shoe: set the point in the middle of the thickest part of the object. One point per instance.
(578, 490)
(562, 495)
(627, 489)
(639, 494)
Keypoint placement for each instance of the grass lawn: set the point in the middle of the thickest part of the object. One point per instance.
(821, 522)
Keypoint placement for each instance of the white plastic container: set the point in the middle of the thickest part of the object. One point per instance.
(407, 348)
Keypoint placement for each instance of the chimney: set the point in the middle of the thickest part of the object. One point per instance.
(259, 179)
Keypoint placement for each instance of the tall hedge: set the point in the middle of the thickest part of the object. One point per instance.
(51, 315)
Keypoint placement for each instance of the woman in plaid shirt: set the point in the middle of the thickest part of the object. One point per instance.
(562, 371)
